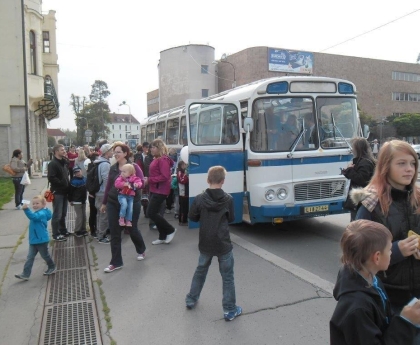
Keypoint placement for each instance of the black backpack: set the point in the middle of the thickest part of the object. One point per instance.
(92, 179)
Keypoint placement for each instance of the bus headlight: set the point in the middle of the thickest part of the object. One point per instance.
(270, 195)
(282, 193)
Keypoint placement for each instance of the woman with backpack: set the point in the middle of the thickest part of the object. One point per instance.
(111, 205)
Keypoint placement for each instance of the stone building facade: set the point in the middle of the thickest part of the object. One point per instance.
(28, 79)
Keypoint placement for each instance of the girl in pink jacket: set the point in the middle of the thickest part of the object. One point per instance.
(127, 183)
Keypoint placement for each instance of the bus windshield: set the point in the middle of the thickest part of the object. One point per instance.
(326, 122)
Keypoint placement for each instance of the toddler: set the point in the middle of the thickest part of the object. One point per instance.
(38, 237)
(127, 183)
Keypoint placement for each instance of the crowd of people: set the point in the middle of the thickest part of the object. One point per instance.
(376, 291)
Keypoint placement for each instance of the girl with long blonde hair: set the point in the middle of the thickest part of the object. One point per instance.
(392, 199)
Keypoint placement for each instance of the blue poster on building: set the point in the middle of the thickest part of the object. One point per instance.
(280, 60)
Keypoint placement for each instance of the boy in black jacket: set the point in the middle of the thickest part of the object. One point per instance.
(77, 198)
(214, 209)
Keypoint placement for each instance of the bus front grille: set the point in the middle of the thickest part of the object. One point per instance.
(319, 190)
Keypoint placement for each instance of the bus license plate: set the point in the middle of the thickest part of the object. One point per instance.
(315, 209)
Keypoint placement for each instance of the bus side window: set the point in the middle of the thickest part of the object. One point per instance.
(183, 139)
(172, 132)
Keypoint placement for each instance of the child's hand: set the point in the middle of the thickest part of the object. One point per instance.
(24, 207)
(412, 313)
(126, 184)
(136, 185)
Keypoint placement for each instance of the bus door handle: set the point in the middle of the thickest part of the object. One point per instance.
(194, 163)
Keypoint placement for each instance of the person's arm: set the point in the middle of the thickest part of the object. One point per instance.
(164, 172)
(139, 174)
(53, 171)
(107, 189)
(120, 182)
(194, 212)
(359, 327)
(33, 215)
(15, 168)
(135, 180)
(182, 177)
(361, 174)
(231, 216)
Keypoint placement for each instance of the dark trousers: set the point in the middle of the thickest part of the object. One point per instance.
(19, 189)
(92, 215)
(170, 200)
(58, 221)
(113, 210)
(183, 209)
(163, 226)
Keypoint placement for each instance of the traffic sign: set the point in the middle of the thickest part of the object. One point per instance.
(88, 139)
(88, 133)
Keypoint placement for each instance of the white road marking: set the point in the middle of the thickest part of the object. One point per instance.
(295, 270)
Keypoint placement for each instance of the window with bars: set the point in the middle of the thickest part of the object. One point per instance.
(32, 50)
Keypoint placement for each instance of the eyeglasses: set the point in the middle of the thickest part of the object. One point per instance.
(116, 152)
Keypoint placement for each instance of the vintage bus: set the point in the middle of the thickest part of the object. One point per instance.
(283, 141)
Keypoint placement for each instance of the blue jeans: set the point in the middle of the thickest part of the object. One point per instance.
(126, 210)
(58, 221)
(19, 189)
(226, 270)
(42, 248)
(113, 210)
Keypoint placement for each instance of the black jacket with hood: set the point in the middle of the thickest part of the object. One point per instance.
(214, 210)
(362, 318)
(402, 279)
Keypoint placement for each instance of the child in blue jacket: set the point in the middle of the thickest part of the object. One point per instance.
(38, 236)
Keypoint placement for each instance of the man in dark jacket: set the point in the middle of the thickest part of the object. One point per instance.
(214, 209)
(58, 177)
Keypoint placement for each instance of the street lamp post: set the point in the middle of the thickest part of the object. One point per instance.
(129, 110)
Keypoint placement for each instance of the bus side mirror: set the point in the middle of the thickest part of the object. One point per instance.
(366, 131)
(248, 124)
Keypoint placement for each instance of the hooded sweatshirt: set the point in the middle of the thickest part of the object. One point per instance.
(214, 209)
(38, 232)
(363, 316)
(160, 175)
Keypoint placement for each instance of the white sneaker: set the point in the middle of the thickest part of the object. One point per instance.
(141, 256)
(170, 237)
(158, 241)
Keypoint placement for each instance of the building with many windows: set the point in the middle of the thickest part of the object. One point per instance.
(123, 127)
(384, 87)
(28, 78)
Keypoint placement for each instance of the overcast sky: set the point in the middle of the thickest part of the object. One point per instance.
(120, 42)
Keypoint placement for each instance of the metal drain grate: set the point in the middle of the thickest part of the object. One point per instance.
(72, 257)
(69, 286)
(72, 241)
(74, 323)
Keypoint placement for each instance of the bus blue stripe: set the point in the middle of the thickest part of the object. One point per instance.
(200, 163)
(305, 160)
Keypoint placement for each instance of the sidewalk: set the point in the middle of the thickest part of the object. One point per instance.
(21, 303)
(146, 298)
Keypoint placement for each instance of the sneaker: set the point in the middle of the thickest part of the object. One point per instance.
(104, 240)
(231, 315)
(59, 238)
(121, 221)
(78, 234)
(128, 223)
(84, 233)
(154, 227)
(158, 241)
(94, 235)
(170, 237)
(21, 276)
(66, 234)
(176, 216)
(167, 211)
(141, 256)
(50, 271)
(190, 305)
(183, 224)
(111, 268)
(19, 207)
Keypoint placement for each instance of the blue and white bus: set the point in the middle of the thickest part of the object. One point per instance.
(282, 140)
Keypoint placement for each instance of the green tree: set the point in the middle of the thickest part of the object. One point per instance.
(99, 107)
(407, 125)
(51, 141)
(78, 104)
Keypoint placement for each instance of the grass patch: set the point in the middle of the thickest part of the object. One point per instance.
(7, 190)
